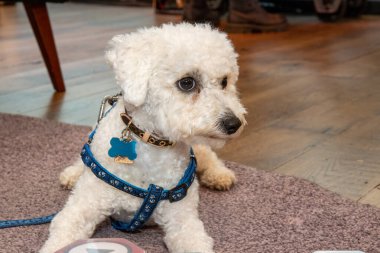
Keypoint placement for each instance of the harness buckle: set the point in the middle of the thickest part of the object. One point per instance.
(177, 193)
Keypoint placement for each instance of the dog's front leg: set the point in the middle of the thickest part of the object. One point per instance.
(211, 170)
(184, 231)
(77, 220)
(70, 175)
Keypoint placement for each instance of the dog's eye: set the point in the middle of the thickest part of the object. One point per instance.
(186, 84)
(224, 82)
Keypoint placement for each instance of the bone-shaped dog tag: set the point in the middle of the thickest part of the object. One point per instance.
(122, 150)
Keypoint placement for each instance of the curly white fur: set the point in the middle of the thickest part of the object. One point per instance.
(147, 65)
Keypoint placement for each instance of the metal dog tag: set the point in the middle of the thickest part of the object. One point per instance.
(120, 159)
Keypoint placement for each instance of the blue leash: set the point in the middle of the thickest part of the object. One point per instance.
(26, 222)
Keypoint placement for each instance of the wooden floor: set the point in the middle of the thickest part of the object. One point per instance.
(313, 92)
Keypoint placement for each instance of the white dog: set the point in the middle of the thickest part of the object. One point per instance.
(178, 84)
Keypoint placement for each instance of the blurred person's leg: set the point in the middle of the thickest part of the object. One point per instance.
(204, 11)
(243, 16)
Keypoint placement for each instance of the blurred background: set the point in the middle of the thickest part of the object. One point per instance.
(309, 76)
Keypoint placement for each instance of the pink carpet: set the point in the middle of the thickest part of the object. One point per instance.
(264, 212)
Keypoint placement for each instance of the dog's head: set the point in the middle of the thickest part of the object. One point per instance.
(183, 78)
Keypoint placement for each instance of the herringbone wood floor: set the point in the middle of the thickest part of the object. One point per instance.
(313, 92)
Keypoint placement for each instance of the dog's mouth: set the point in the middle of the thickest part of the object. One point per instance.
(214, 141)
(222, 136)
(215, 137)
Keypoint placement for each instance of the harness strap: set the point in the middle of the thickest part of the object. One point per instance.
(173, 195)
(143, 214)
(152, 196)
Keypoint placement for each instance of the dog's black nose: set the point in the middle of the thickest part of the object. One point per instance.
(230, 124)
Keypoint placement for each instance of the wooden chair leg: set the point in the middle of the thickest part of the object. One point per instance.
(39, 20)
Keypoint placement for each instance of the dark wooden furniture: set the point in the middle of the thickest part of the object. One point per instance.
(40, 22)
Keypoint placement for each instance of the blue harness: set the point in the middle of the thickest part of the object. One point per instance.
(152, 196)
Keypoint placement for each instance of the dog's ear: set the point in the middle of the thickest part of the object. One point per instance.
(129, 57)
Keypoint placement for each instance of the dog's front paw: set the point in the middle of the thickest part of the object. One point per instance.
(200, 243)
(47, 250)
(220, 178)
(70, 175)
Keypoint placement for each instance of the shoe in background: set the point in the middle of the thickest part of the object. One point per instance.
(249, 16)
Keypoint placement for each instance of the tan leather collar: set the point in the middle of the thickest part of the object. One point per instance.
(144, 136)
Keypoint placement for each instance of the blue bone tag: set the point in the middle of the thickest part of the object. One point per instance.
(122, 148)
